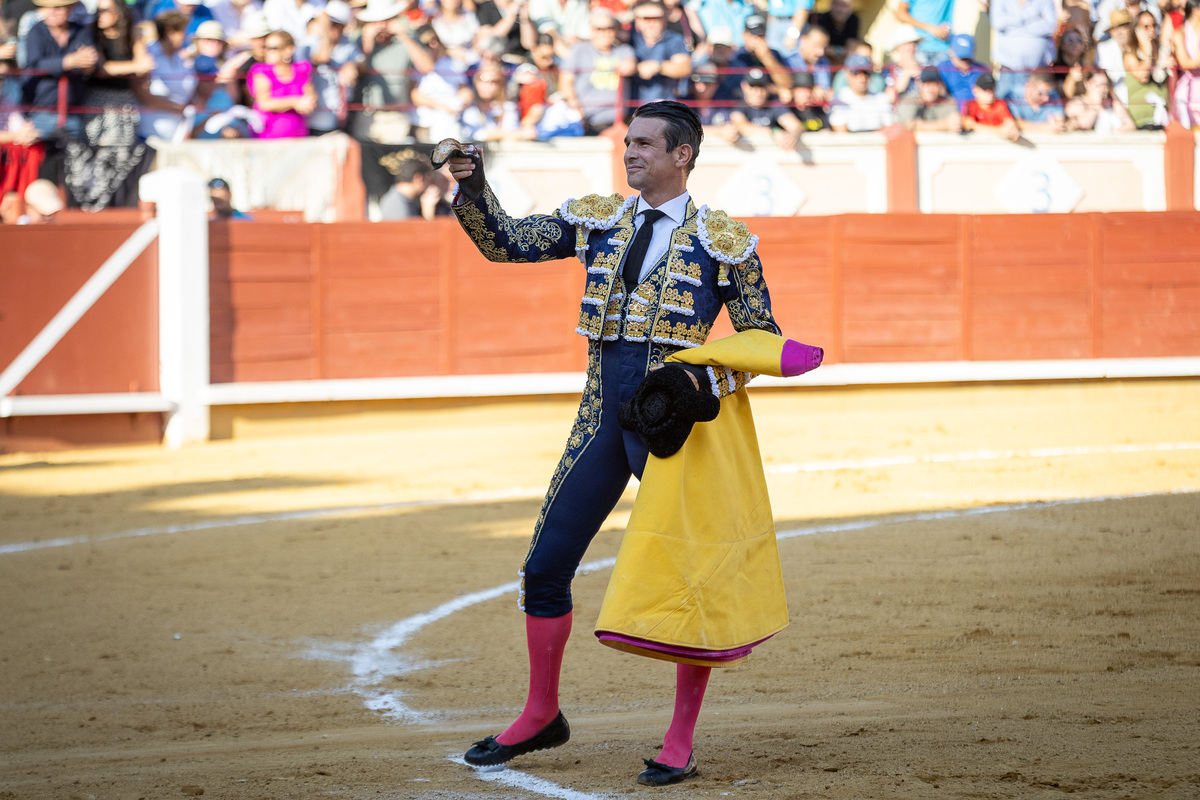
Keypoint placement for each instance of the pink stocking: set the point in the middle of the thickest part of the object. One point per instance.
(546, 638)
(690, 683)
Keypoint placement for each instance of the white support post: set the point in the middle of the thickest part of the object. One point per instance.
(183, 338)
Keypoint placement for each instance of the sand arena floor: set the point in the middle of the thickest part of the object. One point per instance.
(994, 593)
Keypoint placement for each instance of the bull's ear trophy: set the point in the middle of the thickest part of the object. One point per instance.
(472, 186)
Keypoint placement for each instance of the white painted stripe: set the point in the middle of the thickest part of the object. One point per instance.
(571, 383)
(976, 455)
(530, 783)
(95, 286)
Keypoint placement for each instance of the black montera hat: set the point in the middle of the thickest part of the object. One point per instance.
(664, 408)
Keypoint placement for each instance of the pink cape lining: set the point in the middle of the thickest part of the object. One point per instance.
(733, 654)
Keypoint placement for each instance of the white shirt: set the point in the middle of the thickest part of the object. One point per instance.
(675, 210)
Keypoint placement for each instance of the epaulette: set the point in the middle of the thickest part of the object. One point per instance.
(725, 239)
(594, 212)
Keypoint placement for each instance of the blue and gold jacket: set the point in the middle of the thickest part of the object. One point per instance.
(711, 262)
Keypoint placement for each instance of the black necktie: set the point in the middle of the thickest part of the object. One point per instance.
(637, 248)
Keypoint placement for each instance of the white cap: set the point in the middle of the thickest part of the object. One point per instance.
(42, 196)
(255, 25)
(721, 35)
(379, 10)
(903, 34)
(338, 12)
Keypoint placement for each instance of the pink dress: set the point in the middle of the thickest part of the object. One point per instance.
(282, 124)
(1187, 86)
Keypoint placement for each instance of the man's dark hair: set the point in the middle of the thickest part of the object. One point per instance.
(170, 22)
(410, 168)
(681, 125)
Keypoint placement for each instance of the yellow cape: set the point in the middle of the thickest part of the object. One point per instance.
(697, 579)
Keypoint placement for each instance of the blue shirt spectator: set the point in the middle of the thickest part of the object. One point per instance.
(932, 20)
(960, 70)
(1024, 34)
(728, 14)
(662, 55)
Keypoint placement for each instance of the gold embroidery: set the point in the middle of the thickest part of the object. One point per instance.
(595, 209)
(677, 298)
(680, 333)
(726, 236)
(532, 238)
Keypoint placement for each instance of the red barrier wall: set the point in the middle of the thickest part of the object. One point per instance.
(113, 348)
(294, 301)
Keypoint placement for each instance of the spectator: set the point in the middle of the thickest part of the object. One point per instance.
(1037, 109)
(683, 19)
(490, 116)
(726, 15)
(662, 57)
(878, 81)
(811, 58)
(904, 68)
(336, 61)
(842, 24)
(758, 114)
(1186, 41)
(932, 19)
(544, 112)
(1110, 53)
(1144, 81)
(441, 94)
(592, 73)
(960, 70)
(567, 18)
(103, 165)
(786, 21)
(57, 46)
(166, 100)
(989, 114)
(856, 108)
(283, 92)
(811, 115)
(8, 45)
(234, 16)
(414, 195)
(291, 16)
(1075, 58)
(755, 53)
(194, 10)
(931, 109)
(1024, 39)
(718, 50)
(1096, 110)
(705, 83)
(457, 28)
(42, 203)
(221, 197)
(392, 54)
(123, 58)
(254, 31)
(499, 24)
(1104, 10)
(220, 114)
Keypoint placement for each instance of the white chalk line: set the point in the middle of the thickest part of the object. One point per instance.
(530, 493)
(977, 455)
(377, 659)
(380, 658)
(530, 783)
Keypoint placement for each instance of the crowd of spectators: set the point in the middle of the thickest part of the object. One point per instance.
(94, 83)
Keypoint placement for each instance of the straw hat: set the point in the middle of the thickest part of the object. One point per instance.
(54, 3)
(209, 29)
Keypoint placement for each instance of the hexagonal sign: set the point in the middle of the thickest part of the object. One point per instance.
(1037, 184)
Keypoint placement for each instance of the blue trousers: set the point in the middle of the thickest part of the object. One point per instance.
(588, 484)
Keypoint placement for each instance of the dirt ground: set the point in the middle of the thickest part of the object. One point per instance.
(994, 593)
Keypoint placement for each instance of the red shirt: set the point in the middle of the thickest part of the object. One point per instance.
(995, 114)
